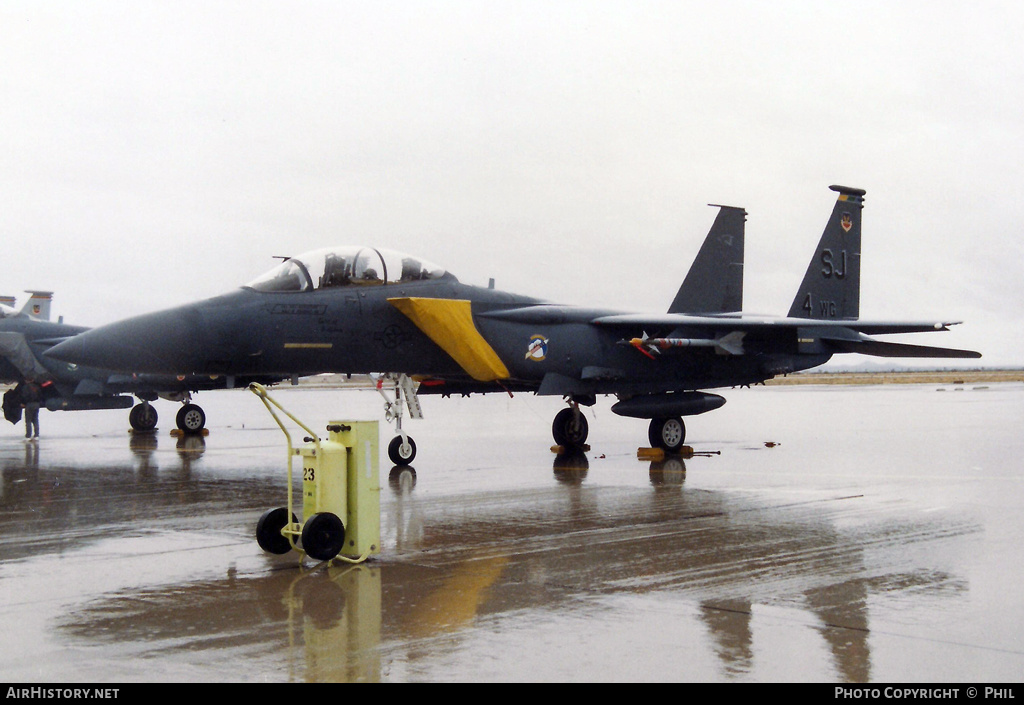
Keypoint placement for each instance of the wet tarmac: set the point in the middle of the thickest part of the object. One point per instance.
(819, 534)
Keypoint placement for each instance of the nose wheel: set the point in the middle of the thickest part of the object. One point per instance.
(402, 450)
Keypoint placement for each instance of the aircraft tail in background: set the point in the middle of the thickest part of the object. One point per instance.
(38, 305)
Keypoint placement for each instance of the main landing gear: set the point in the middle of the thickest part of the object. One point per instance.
(190, 418)
(402, 449)
(143, 417)
(570, 429)
(667, 434)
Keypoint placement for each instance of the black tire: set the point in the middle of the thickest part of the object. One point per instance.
(667, 434)
(268, 531)
(570, 428)
(191, 418)
(323, 536)
(402, 453)
(143, 417)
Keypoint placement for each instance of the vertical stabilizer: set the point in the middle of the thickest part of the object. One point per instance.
(831, 286)
(714, 283)
(38, 305)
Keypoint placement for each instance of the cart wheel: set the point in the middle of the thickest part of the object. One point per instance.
(323, 536)
(268, 531)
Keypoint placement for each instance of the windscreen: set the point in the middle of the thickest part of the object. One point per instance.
(345, 266)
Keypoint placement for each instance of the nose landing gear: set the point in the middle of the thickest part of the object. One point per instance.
(402, 449)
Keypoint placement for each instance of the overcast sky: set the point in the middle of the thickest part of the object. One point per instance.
(155, 152)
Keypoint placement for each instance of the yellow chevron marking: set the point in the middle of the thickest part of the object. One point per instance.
(449, 323)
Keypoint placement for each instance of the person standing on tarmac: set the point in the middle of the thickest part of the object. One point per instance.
(31, 395)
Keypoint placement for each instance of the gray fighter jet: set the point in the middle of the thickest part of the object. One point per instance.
(367, 310)
(26, 334)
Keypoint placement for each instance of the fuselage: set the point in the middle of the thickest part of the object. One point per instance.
(358, 329)
(24, 342)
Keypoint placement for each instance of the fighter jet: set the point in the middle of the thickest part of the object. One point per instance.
(363, 310)
(26, 334)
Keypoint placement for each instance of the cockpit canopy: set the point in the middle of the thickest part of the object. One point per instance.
(345, 266)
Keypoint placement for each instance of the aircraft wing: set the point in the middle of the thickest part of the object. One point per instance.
(746, 322)
(541, 314)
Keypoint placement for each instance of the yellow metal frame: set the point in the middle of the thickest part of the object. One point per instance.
(292, 529)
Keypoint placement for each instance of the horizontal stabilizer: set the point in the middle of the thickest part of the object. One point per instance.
(880, 348)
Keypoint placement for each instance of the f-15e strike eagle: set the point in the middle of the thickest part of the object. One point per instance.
(362, 310)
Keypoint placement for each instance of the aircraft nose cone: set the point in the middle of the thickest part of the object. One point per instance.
(164, 342)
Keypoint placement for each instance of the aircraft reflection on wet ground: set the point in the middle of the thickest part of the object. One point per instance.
(132, 559)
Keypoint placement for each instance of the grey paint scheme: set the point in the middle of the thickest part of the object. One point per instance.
(23, 342)
(355, 330)
(714, 283)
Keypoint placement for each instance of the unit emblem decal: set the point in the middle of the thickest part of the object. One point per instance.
(537, 349)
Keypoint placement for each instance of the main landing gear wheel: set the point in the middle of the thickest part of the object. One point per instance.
(268, 531)
(402, 451)
(570, 428)
(191, 418)
(667, 434)
(143, 417)
(323, 536)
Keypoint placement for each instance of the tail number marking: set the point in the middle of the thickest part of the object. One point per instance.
(826, 309)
